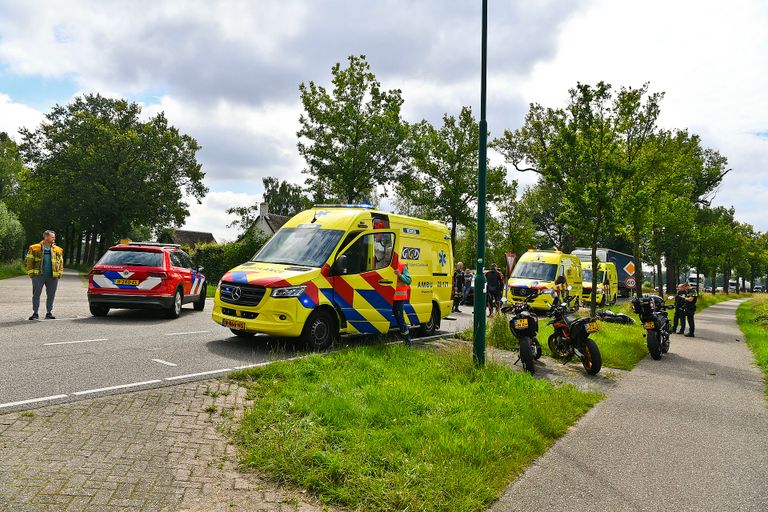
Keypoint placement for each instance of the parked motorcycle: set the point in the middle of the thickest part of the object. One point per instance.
(524, 325)
(653, 314)
(571, 336)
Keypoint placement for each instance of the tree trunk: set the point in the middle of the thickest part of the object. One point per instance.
(78, 257)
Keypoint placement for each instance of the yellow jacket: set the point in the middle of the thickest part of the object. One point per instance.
(34, 260)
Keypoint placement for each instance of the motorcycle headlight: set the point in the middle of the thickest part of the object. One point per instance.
(288, 291)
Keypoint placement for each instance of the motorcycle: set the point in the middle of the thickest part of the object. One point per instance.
(653, 314)
(571, 336)
(524, 325)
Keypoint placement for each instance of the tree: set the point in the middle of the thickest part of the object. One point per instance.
(97, 169)
(351, 138)
(442, 177)
(11, 167)
(283, 198)
(575, 150)
(543, 205)
(11, 235)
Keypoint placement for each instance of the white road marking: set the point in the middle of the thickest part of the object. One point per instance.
(200, 374)
(32, 401)
(183, 333)
(246, 366)
(73, 342)
(121, 386)
(164, 362)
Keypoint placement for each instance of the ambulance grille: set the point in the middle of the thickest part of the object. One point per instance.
(520, 292)
(249, 295)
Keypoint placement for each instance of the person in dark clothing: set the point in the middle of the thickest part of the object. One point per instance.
(495, 285)
(691, 296)
(679, 310)
(458, 286)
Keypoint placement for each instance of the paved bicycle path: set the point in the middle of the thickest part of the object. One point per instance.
(688, 432)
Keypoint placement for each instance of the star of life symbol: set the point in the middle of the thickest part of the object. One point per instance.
(443, 258)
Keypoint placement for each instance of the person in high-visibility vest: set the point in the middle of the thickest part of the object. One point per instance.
(402, 294)
(45, 264)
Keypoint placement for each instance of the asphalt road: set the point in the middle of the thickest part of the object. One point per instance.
(81, 356)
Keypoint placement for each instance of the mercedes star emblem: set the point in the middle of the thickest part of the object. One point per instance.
(236, 293)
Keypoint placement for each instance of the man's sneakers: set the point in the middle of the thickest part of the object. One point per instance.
(49, 316)
(689, 335)
(34, 316)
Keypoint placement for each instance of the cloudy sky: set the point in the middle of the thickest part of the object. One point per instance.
(227, 72)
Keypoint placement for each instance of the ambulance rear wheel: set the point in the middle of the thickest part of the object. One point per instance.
(430, 326)
(320, 331)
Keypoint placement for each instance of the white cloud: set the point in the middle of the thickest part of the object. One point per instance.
(210, 216)
(17, 115)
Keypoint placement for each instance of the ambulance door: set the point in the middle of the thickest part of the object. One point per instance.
(364, 282)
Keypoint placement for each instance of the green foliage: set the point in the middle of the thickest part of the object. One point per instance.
(391, 428)
(498, 334)
(753, 322)
(11, 167)
(97, 166)
(11, 235)
(351, 138)
(218, 259)
(13, 268)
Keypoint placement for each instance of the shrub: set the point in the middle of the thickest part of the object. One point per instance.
(11, 234)
(217, 259)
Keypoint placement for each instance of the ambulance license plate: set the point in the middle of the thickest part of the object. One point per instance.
(649, 325)
(592, 327)
(521, 323)
(129, 282)
(234, 324)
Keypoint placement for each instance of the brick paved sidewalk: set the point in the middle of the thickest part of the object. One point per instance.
(162, 449)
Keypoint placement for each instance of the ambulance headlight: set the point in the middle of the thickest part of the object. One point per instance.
(288, 291)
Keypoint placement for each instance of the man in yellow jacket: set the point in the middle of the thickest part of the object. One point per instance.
(45, 264)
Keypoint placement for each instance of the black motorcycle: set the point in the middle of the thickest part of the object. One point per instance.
(524, 325)
(653, 314)
(571, 336)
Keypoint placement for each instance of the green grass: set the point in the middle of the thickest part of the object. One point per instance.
(210, 291)
(391, 428)
(753, 322)
(13, 268)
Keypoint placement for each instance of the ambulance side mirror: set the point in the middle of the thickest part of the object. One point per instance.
(340, 267)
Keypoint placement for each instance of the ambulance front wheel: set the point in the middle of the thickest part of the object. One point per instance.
(430, 326)
(320, 331)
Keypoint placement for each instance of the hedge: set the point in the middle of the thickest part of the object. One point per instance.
(216, 259)
(11, 235)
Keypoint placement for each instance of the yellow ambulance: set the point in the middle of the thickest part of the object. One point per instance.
(538, 270)
(607, 282)
(330, 270)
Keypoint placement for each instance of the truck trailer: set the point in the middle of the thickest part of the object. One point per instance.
(625, 265)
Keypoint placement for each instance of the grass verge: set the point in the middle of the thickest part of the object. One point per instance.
(389, 428)
(752, 317)
(12, 268)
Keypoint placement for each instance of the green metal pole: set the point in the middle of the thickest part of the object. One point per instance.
(479, 312)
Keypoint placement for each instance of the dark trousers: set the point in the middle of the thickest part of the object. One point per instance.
(397, 310)
(456, 301)
(679, 316)
(689, 316)
(50, 284)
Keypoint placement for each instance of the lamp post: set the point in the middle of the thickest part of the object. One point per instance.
(478, 345)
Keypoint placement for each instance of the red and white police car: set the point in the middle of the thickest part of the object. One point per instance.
(145, 275)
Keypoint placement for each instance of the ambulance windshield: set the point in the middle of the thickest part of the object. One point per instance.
(302, 246)
(535, 270)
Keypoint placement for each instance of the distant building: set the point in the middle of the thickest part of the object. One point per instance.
(268, 223)
(188, 238)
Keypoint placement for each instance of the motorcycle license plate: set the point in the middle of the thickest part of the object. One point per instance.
(521, 323)
(649, 325)
(592, 327)
(234, 324)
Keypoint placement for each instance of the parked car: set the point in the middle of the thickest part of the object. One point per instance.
(758, 289)
(708, 289)
(145, 275)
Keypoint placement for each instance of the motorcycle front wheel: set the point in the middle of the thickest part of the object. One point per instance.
(526, 355)
(654, 347)
(592, 360)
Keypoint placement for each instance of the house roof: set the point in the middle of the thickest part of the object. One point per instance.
(182, 237)
(275, 222)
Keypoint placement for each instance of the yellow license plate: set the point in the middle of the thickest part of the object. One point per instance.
(130, 282)
(649, 325)
(521, 323)
(592, 327)
(234, 324)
